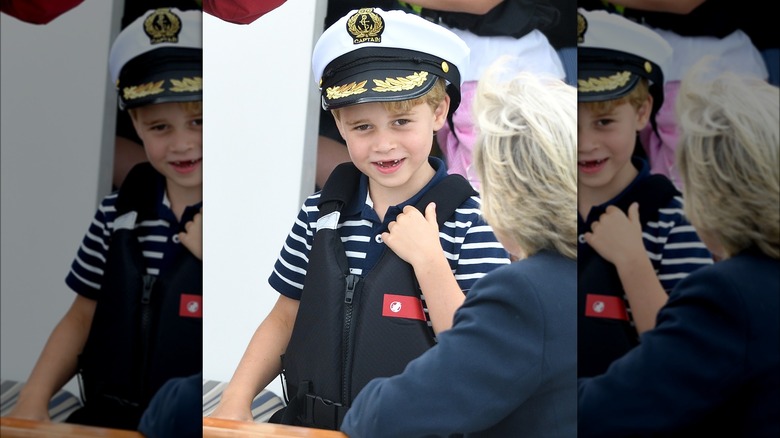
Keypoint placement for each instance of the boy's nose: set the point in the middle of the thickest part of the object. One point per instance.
(184, 142)
(585, 142)
(385, 142)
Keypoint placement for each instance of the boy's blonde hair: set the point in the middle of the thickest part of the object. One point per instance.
(636, 97)
(526, 158)
(433, 98)
(191, 107)
(728, 159)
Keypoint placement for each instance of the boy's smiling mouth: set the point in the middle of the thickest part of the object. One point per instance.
(591, 166)
(388, 166)
(185, 166)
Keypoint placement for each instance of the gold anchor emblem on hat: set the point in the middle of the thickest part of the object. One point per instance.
(162, 26)
(365, 26)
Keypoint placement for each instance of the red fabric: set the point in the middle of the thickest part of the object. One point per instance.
(240, 11)
(605, 306)
(37, 11)
(402, 306)
(191, 306)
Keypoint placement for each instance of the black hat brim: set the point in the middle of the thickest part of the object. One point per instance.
(378, 86)
(599, 85)
(385, 75)
(162, 76)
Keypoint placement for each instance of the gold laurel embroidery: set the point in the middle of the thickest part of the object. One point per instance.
(187, 84)
(604, 83)
(399, 84)
(143, 90)
(340, 91)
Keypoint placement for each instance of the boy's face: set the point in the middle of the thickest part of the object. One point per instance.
(392, 149)
(172, 138)
(605, 143)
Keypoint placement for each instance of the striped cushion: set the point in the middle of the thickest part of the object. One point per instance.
(263, 406)
(61, 405)
(64, 403)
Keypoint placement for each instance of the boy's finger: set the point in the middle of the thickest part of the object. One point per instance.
(430, 212)
(633, 212)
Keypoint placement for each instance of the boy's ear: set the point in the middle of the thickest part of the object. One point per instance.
(643, 113)
(440, 113)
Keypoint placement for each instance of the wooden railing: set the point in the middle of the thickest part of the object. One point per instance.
(219, 428)
(212, 428)
(18, 428)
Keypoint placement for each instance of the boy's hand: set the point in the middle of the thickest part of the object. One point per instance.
(27, 412)
(192, 237)
(617, 237)
(413, 237)
(236, 414)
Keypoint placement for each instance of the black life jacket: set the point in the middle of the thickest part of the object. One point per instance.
(145, 329)
(602, 338)
(341, 340)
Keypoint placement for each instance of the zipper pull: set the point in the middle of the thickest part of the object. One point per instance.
(148, 285)
(352, 281)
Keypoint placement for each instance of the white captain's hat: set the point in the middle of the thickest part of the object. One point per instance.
(372, 55)
(613, 53)
(158, 58)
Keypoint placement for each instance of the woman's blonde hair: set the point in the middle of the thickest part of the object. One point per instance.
(728, 159)
(433, 98)
(526, 158)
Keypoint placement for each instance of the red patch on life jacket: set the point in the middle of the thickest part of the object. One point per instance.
(191, 306)
(402, 306)
(605, 306)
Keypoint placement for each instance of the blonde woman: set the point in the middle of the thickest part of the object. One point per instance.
(711, 366)
(508, 364)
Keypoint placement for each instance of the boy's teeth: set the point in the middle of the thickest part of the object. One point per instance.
(389, 163)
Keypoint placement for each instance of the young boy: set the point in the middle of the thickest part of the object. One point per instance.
(136, 318)
(391, 80)
(711, 366)
(513, 342)
(635, 243)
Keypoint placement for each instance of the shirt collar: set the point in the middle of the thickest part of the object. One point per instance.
(643, 168)
(164, 205)
(362, 199)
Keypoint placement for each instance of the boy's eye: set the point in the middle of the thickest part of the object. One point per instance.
(361, 127)
(604, 122)
(197, 122)
(160, 127)
(402, 122)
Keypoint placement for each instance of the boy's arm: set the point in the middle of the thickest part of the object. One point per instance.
(618, 238)
(57, 363)
(261, 362)
(415, 239)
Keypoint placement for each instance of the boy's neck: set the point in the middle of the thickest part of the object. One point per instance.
(589, 197)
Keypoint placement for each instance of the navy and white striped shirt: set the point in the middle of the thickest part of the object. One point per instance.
(671, 242)
(159, 242)
(467, 241)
